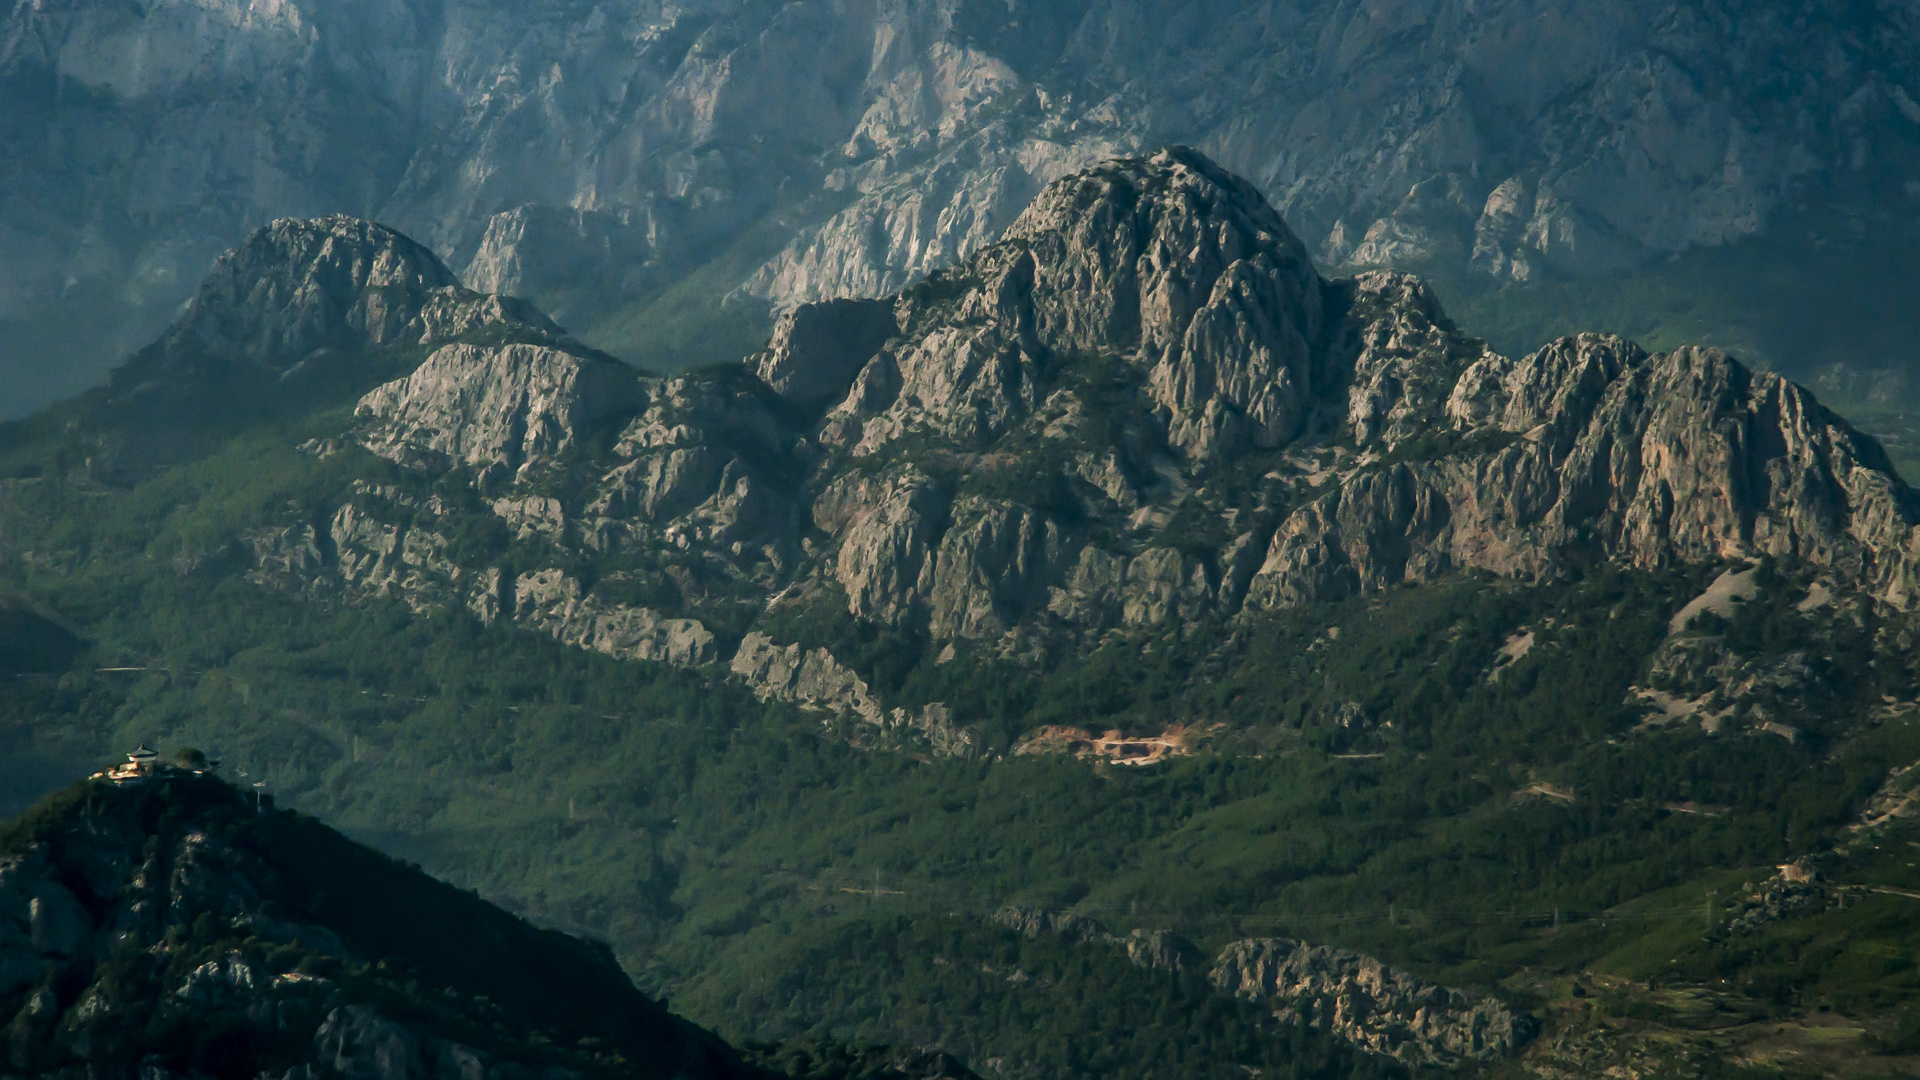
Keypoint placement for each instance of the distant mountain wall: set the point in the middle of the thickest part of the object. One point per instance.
(594, 156)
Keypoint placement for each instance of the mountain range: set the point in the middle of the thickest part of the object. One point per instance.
(1143, 407)
(663, 177)
(1125, 651)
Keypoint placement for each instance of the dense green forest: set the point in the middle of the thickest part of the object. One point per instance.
(1362, 776)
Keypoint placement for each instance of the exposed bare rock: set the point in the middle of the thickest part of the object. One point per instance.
(993, 564)
(874, 142)
(489, 597)
(818, 349)
(811, 677)
(1682, 457)
(533, 249)
(1034, 921)
(1188, 265)
(321, 301)
(814, 679)
(549, 600)
(1378, 145)
(1407, 356)
(1157, 949)
(708, 466)
(285, 557)
(1142, 408)
(1796, 890)
(888, 529)
(1170, 261)
(1381, 1009)
(382, 542)
(533, 515)
(1163, 950)
(1224, 344)
(508, 408)
(385, 542)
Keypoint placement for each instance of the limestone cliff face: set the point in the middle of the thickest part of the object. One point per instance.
(1170, 262)
(1141, 410)
(1148, 322)
(302, 302)
(295, 286)
(1387, 1011)
(1383, 1010)
(506, 408)
(606, 152)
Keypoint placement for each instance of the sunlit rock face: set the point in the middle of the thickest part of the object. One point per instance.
(299, 286)
(1390, 1012)
(1141, 410)
(612, 150)
(1149, 322)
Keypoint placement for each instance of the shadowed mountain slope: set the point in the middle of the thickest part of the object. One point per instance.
(164, 921)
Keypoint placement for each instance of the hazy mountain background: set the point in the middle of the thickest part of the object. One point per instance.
(662, 176)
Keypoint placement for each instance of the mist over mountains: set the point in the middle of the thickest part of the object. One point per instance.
(635, 167)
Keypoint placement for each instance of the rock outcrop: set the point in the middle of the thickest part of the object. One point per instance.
(1386, 1011)
(300, 297)
(1148, 321)
(497, 410)
(1376, 1007)
(1141, 410)
(1796, 891)
(813, 679)
(1034, 921)
(1595, 449)
(337, 282)
(551, 601)
(1161, 950)
(818, 349)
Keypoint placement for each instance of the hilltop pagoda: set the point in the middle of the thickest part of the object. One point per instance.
(140, 765)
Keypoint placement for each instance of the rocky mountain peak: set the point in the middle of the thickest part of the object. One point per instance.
(1152, 237)
(1143, 407)
(1169, 264)
(1189, 267)
(306, 314)
(297, 291)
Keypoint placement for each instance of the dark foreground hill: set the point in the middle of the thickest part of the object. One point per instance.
(168, 923)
